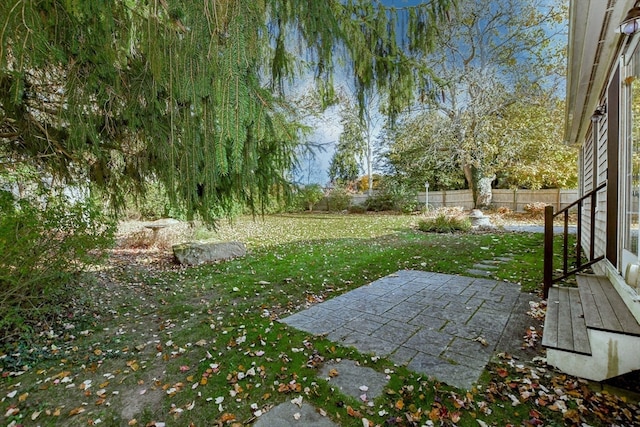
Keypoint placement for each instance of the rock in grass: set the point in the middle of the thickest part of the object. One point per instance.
(196, 253)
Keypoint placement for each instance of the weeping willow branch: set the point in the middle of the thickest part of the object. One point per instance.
(127, 91)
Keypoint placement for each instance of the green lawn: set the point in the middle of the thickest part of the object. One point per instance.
(202, 346)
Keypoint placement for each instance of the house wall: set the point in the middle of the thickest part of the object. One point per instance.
(593, 163)
(601, 177)
(594, 171)
(587, 186)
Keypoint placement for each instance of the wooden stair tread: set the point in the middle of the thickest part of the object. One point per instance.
(603, 307)
(564, 325)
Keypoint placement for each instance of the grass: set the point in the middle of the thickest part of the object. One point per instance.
(202, 346)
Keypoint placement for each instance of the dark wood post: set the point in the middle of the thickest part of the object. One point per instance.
(548, 250)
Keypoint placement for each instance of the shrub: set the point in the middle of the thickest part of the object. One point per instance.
(153, 204)
(43, 248)
(380, 202)
(338, 200)
(442, 223)
(393, 196)
(308, 196)
(503, 210)
(357, 209)
(535, 210)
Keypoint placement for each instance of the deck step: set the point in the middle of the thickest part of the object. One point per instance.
(603, 307)
(564, 325)
(589, 331)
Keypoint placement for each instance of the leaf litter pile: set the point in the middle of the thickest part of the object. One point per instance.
(153, 344)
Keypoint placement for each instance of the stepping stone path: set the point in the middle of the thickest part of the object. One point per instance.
(350, 378)
(486, 268)
(289, 414)
(354, 380)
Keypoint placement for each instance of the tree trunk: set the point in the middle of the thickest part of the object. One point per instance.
(369, 167)
(480, 186)
(485, 195)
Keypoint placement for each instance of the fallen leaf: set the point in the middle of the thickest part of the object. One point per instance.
(353, 413)
(572, 415)
(482, 341)
(297, 401)
(76, 411)
(226, 417)
(11, 411)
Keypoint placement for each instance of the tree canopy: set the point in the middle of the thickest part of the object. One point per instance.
(501, 64)
(524, 149)
(120, 92)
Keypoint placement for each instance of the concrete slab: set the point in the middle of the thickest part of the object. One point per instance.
(444, 326)
(486, 265)
(477, 272)
(288, 414)
(354, 380)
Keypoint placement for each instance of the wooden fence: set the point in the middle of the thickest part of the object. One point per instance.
(515, 200)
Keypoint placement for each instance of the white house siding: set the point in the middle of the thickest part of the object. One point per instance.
(587, 186)
(601, 207)
(595, 173)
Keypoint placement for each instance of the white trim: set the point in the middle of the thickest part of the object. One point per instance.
(629, 295)
(612, 355)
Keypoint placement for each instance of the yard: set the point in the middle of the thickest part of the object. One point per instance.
(145, 342)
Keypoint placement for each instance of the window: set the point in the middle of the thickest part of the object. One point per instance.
(631, 85)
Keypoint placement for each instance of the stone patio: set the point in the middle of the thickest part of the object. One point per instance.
(444, 326)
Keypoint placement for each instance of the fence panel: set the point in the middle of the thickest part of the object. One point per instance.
(515, 200)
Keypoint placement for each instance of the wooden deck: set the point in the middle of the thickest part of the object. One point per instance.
(594, 304)
(564, 325)
(603, 308)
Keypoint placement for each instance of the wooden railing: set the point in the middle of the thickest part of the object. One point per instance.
(549, 216)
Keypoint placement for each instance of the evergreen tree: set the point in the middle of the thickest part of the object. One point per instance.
(344, 167)
(120, 92)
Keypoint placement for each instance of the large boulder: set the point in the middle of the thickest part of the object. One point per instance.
(195, 253)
